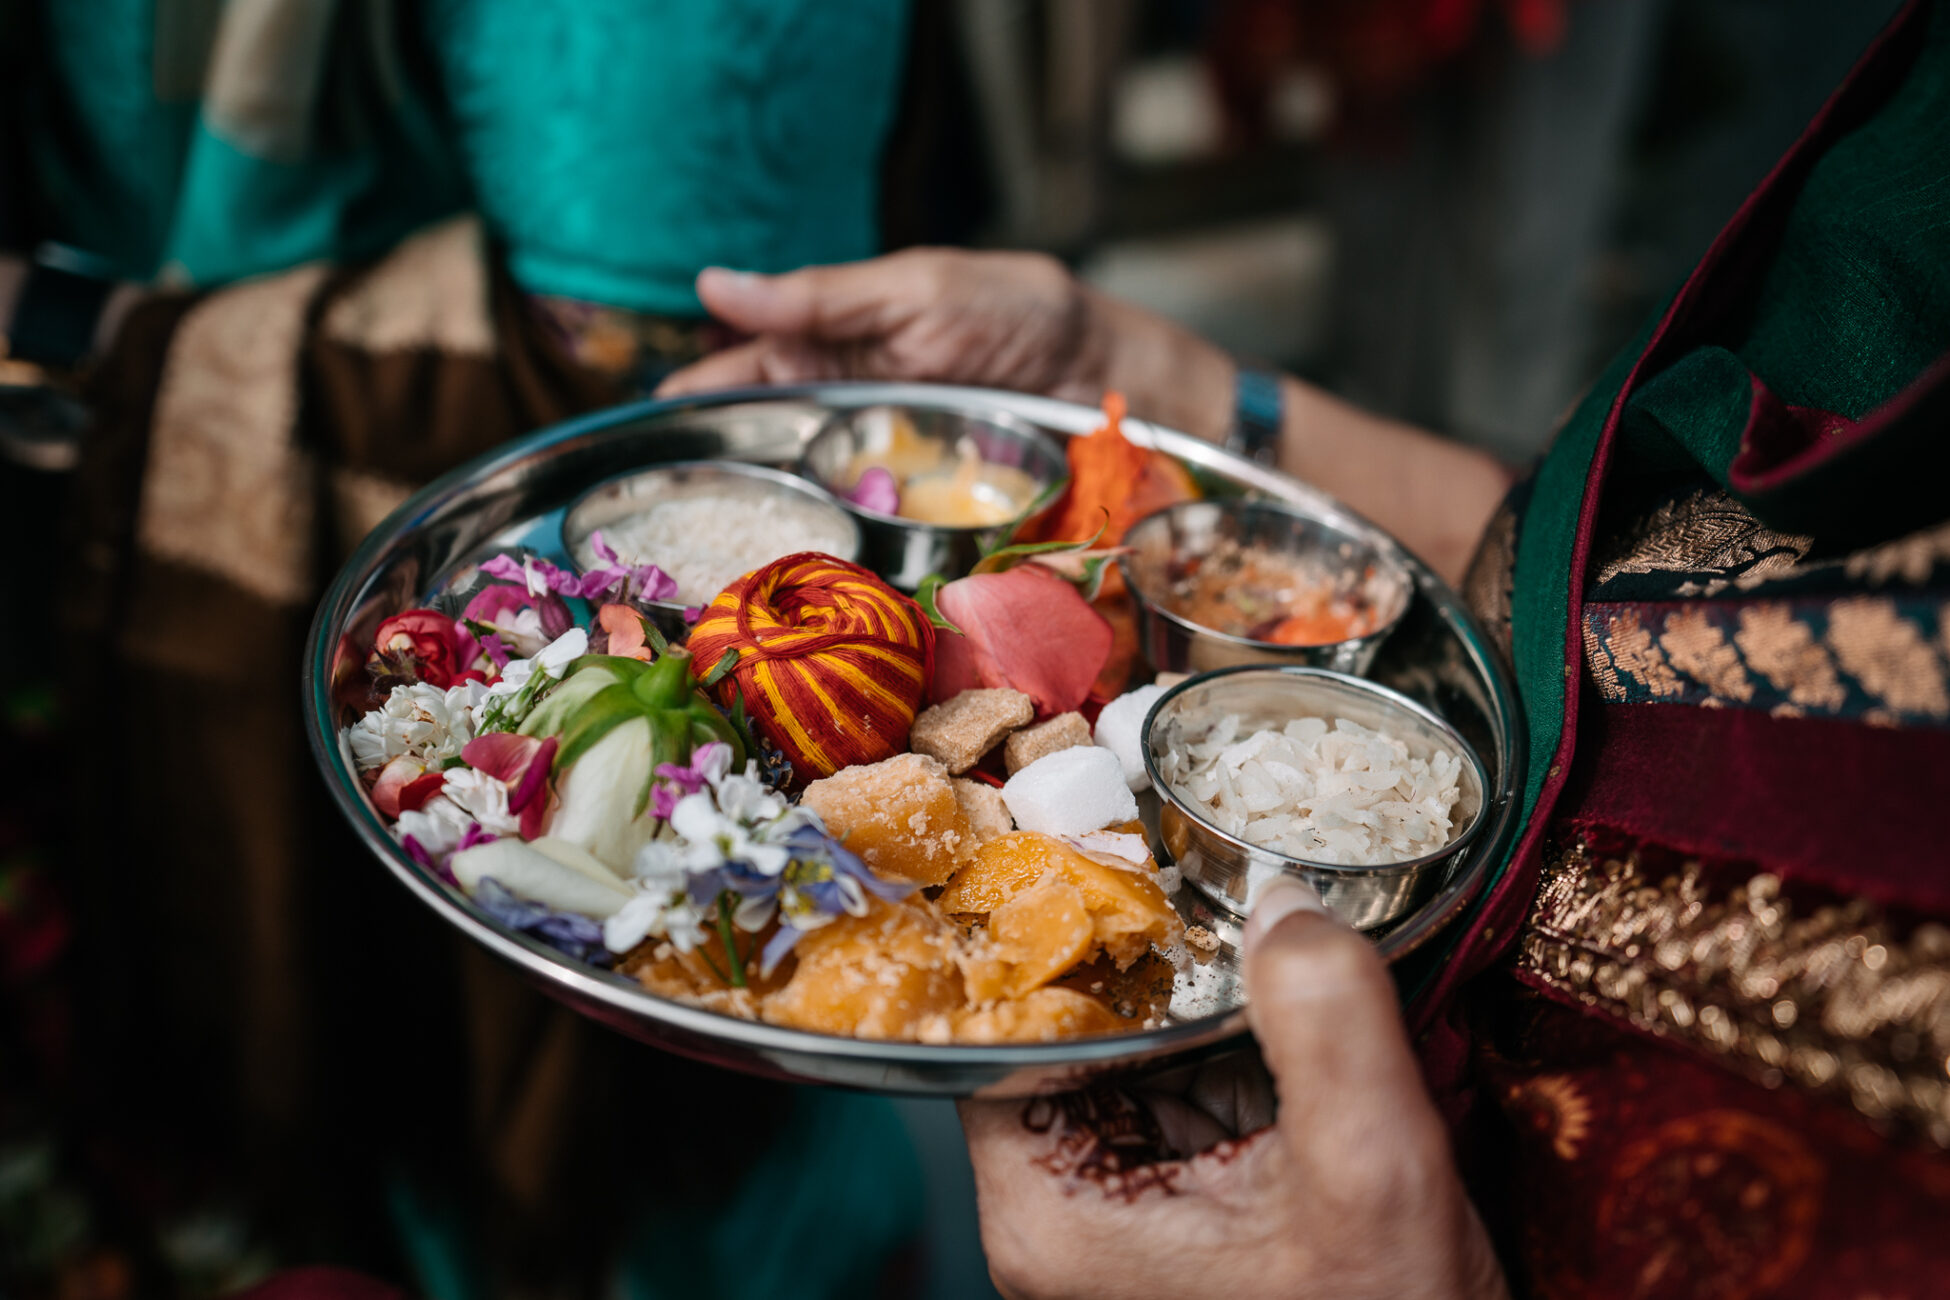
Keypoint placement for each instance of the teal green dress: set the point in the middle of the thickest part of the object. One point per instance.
(614, 147)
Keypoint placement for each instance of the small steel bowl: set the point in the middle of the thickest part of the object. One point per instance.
(1230, 871)
(1353, 559)
(615, 500)
(906, 551)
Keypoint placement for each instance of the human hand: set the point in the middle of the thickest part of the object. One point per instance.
(1351, 1192)
(1000, 320)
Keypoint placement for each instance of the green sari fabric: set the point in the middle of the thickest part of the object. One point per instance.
(1786, 370)
(1852, 307)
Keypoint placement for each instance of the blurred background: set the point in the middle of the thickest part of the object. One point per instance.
(388, 235)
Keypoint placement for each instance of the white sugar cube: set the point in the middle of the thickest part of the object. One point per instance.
(1120, 729)
(1071, 792)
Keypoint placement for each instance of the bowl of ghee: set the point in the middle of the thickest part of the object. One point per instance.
(931, 489)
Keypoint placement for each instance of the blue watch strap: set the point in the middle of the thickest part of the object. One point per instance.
(1257, 410)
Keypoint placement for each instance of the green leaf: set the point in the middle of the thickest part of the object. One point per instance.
(724, 665)
(1044, 501)
(659, 643)
(559, 705)
(1003, 558)
(927, 596)
(606, 710)
(1092, 580)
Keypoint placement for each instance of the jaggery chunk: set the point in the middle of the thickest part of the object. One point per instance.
(882, 975)
(959, 731)
(693, 976)
(1041, 932)
(982, 804)
(1128, 909)
(1064, 731)
(1042, 1016)
(900, 815)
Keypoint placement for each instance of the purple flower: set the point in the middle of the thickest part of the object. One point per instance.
(626, 582)
(573, 936)
(614, 582)
(474, 836)
(709, 761)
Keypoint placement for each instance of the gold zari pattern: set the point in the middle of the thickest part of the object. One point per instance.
(1831, 1002)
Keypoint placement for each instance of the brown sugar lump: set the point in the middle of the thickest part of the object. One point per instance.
(982, 804)
(900, 815)
(959, 731)
(882, 975)
(1064, 731)
(1042, 1016)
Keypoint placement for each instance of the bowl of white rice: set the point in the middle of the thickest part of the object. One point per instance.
(705, 523)
(1271, 772)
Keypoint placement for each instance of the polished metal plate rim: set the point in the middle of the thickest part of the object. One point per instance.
(514, 495)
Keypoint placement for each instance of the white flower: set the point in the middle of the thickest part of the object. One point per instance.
(418, 721)
(563, 651)
(483, 798)
(436, 826)
(521, 631)
(727, 836)
(551, 662)
(667, 914)
(745, 798)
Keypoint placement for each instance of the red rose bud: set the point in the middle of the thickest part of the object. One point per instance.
(423, 645)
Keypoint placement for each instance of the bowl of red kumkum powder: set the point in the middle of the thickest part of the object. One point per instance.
(1245, 581)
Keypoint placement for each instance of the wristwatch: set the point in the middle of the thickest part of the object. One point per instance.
(1257, 408)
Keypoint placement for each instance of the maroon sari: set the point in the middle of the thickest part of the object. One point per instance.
(1704, 1044)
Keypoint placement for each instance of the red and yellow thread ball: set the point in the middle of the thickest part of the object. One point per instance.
(832, 662)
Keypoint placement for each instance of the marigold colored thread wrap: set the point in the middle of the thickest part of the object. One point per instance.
(832, 662)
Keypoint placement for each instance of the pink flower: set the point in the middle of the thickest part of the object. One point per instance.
(517, 620)
(1025, 629)
(521, 763)
(876, 491)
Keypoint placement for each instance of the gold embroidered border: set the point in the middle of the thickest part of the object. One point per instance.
(1716, 544)
(1831, 1002)
(1879, 658)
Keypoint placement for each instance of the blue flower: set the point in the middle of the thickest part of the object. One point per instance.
(574, 936)
(822, 881)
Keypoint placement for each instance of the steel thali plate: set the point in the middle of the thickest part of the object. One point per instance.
(515, 495)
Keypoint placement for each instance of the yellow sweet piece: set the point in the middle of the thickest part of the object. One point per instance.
(881, 975)
(1128, 910)
(900, 815)
(1041, 1016)
(1040, 933)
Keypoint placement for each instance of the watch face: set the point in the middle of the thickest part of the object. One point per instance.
(41, 427)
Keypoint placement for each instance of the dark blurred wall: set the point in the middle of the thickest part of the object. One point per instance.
(1532, 209)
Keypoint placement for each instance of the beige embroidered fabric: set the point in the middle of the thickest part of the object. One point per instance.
(228, 491)
(431, 291)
